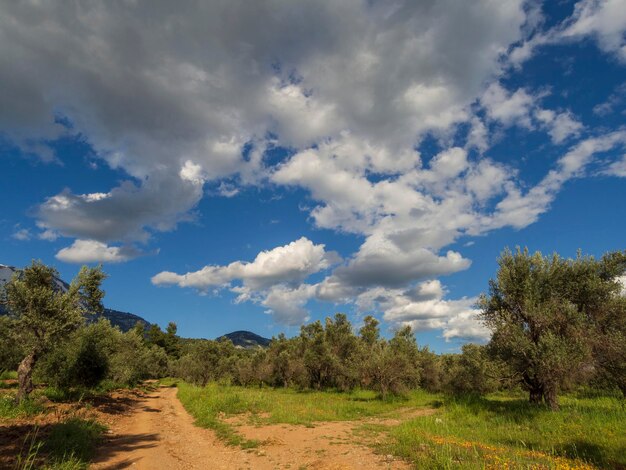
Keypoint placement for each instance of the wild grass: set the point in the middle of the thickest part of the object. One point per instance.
(498, 431)
(8, 375)
(64, 446)
(504, 431)
(268, 406)
(10, 410)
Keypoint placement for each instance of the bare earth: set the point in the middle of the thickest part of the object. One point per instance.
(157, 433)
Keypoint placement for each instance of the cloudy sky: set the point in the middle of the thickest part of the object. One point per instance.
(258, 165)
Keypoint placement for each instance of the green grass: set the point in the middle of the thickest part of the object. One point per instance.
(499, 430)
(8, 375)
(74, 439)
(269, 406)
(9, 410)
(65, 446)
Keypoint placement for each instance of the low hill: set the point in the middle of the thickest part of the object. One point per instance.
(247, 339)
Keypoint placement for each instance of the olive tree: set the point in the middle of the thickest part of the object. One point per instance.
(46, 313)
(546, 312)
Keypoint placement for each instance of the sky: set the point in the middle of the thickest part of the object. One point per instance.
(261, 165)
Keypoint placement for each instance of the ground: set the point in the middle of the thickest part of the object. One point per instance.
(159, 433)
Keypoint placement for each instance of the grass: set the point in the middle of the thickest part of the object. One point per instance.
(498, 431)
(74, 439)
(9, 410)
(269, 406)
(8, 375)
(64, 446)
(503, 431)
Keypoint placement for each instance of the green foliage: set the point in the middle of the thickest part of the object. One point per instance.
(473, 372)
(45, 315)
(11, 349)
(547, 312)
(100, 352)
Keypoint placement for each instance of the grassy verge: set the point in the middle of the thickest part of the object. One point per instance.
(63, 446)
(506, 432)
(268, 406)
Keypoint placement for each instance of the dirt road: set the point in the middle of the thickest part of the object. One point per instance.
(157, 433)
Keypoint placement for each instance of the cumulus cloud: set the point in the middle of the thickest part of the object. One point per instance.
(159, 90)
(274, 279)
(22, 234)
(126, 212)
(92, 251)
(560, 125)
(602, 20)
(424, 308)
(508, 108)
(287, 305)
(291, 263)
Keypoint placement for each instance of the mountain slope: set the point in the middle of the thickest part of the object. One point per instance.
(247, 339)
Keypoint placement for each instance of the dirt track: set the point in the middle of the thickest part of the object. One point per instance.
(157, 433)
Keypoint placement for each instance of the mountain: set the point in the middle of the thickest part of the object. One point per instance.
(247, 339)
(124, 320)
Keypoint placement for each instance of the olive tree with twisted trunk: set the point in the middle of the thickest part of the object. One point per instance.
(45, 313)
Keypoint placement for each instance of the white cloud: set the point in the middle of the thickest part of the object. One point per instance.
(466, 326)
(287, 304)
(508, 108)
(617, 168)
(560, 125)
(92, 251)
(424, 308)
(291, 263)
(380, 262)
(520, 210)
(124, 213)
(604, 20)
(22, 234)
(48, 235)
(160, 92)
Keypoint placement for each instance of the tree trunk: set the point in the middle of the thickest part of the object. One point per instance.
(25, 377)
(551, 398)
(536, 394)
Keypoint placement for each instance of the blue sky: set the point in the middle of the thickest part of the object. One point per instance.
(261, 166)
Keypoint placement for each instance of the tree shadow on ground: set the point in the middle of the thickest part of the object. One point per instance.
(123, 443)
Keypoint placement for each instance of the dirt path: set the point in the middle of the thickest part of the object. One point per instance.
(159, 434)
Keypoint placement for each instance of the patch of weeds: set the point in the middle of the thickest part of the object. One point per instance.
(73, 442)
(9, 409)
(8, 375)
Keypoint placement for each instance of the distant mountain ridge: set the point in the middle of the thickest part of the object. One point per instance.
(124, 320)
(247, 339)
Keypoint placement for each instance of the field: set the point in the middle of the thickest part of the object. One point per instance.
(286, 428)
(498, 431)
